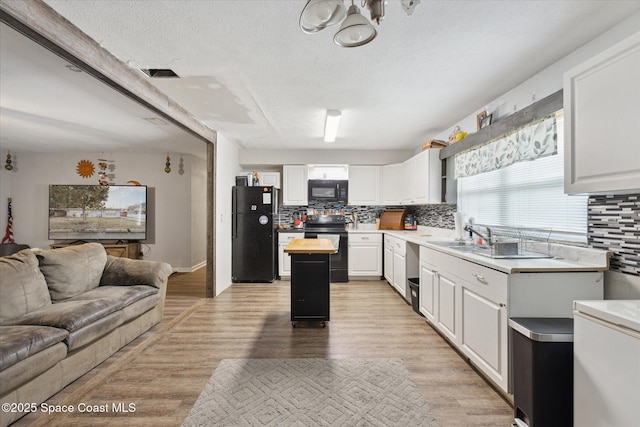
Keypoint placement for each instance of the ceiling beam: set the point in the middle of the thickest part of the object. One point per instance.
(36, 20)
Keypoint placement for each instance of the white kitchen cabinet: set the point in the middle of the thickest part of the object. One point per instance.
(606, 363)
(364, 185)
(392, 184)
(400, 272)
(428, 295)
(439, 302)
(601, 109)
(421, 175)
(267, 178)
(388, 258)
(484, 337)
(284, 259)
(395, 262)
(365, 255)
(294, 185)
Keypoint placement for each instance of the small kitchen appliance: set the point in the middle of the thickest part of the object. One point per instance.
(328, 190)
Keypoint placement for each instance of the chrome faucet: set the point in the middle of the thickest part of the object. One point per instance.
(487, 238)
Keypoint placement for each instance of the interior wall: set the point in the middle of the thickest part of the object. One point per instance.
(226, 170)
(28, 185)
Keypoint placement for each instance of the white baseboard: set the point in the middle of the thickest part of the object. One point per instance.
(190, 269)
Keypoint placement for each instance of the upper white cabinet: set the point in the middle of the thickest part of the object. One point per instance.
(364, 185)
(267, 178)
(602, 112)
(392, 184)
(294, 185)
(421, 176)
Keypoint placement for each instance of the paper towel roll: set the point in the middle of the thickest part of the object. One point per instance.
(458, 220)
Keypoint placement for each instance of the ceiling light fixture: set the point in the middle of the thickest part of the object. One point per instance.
(355, 30)
(331, 124)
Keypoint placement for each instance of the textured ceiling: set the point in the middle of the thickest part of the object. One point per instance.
(247, 70)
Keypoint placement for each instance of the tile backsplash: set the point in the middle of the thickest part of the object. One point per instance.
(614, 225)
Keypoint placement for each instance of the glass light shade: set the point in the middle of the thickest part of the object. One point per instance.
(319, 14)
(355, 30)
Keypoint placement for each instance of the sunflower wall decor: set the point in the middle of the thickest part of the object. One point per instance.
(85, 168)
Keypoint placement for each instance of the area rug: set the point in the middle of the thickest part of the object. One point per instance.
(310, 392)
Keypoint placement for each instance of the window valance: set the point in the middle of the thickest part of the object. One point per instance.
(530, 142)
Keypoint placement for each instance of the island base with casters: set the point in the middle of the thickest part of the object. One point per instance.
(310, 279)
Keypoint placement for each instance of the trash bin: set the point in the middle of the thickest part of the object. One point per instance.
(542, 371)
(414, 287)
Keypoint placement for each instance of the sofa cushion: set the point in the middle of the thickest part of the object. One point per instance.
(72, 270)
(69, 315)
(21, 341)
(28, 369)
(22, 286)
(126, 295)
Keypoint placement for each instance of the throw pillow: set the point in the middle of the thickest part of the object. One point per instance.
(23, 288)
(72, 270)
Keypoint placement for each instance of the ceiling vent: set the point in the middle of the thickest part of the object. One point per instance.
(159, 72)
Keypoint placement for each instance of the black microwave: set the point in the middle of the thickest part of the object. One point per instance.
(323, 190)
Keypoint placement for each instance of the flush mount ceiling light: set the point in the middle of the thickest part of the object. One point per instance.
(355, 29)
(331, 125)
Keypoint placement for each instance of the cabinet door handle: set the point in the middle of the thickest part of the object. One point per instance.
(479, 277)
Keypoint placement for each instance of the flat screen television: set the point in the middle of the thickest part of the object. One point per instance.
(97, 212)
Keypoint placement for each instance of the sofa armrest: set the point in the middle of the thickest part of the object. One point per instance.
(127, 272)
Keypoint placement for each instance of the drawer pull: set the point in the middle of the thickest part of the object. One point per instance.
(479, 277)
(365, 238)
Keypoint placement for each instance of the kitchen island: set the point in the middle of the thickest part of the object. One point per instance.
(310, 279)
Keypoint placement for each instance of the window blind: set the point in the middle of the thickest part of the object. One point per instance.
(529, 194)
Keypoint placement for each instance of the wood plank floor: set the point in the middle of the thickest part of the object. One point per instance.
(163, 372)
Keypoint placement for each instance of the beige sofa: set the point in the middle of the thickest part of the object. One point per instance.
(63, 312)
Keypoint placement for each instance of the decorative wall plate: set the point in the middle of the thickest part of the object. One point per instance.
(85, 168)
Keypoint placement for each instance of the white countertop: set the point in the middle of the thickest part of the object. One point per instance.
(625, 313)
(565, 258)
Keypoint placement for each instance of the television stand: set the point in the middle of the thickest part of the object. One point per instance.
(120, 249)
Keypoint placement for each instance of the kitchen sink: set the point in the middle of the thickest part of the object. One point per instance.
(486, 251)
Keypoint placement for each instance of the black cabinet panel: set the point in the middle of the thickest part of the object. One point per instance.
(310, 280)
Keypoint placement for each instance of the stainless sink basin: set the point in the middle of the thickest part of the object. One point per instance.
(485, 251)
(458, 246)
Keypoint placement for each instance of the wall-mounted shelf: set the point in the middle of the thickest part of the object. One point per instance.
(535, 111)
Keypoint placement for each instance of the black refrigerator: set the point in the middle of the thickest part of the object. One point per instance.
(253, 235)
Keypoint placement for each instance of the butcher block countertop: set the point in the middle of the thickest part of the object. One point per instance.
(310, 246)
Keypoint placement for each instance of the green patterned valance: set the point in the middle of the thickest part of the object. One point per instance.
(538, 139)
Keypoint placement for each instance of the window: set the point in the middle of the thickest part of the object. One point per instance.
(530, 194)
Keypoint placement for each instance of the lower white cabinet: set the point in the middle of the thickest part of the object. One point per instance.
(484, 335)
(365, 254)
(395, 263)
(284, 259)
(439, 292)
(467, 303)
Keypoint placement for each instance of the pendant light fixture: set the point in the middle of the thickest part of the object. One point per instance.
(319, 14)
(355, 29)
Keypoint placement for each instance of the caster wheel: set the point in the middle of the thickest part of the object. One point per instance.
(323, 324)
(294, 324)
